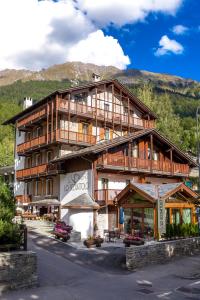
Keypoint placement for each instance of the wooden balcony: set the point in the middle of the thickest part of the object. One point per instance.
(92, 112)
(23, 199)
(142, 165)
(106, 196)
(58, 135)
(31, 172)
(76, 137)
(33, 117)
(32, 144)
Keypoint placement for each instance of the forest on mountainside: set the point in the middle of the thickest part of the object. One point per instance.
(176, 113)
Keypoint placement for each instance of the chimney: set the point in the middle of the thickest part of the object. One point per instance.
(95, 77)
(27, 102)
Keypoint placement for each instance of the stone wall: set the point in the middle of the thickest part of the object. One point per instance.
(18, 269)
(160, 252)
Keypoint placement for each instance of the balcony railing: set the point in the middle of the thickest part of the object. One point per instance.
(33, 117)
(143, 164)
(23, 199)
(116, 116)
(106, 196)
(34, 171)
(76, 137)
(33, 143)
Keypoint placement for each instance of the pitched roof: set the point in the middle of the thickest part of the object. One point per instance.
(152, 192)
(121, 140)
(84, 201)
(101, 146)
(138, 102)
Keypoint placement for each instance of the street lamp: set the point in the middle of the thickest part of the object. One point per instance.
(198, 143)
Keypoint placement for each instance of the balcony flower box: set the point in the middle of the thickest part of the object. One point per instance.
(133, 240)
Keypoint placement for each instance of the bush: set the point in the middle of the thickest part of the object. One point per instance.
(9, 233)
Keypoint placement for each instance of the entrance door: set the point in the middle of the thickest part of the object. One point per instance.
(43, 210)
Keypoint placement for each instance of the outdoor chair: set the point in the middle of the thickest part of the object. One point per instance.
(106, 235)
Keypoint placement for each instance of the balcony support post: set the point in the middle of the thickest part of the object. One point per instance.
(113, 101)
(128, 115)
(171, 160)
(151, 150)
(96, 111)
(68, 115)
(129, 155)
(121, 110)
(52, 108)
(56, 107)
(47, 121)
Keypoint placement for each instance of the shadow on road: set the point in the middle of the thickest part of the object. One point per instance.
(111, 259)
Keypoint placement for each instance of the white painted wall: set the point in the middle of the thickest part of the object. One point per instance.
(74, 184)
(19, 164)
(81, 220)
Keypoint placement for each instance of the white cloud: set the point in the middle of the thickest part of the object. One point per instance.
(179, 29)
(168, 46)
(99, 49)
(35, 34)
(121, 12)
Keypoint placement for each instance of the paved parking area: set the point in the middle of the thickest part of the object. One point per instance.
(66, 273)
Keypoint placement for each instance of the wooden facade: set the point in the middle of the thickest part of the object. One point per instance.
(98, 114)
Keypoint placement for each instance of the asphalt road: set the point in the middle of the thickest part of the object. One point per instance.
(66, 273)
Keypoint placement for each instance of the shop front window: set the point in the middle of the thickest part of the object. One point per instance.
(176, 219)
(186, 216)
(148, 221)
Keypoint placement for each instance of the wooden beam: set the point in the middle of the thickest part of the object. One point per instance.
(69, 99)
(151, 149)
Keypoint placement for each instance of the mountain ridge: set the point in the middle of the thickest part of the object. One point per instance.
(80, 72)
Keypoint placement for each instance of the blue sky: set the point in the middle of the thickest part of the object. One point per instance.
(155, 35)
(140, 40)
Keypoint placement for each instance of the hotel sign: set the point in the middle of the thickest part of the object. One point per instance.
(161, 216)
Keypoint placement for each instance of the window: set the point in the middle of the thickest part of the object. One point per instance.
(39, 131)
(85, 128)
(38, 160)
(104, 182)
(38, 188)
(106, 106)
(135, 150)
(28, 162)
(149, 151)
(107, 133)
(28, 136)
(81, 98)
(49, 187)
(49, 156)
(19, 133)
(126, 110)
(28, 188)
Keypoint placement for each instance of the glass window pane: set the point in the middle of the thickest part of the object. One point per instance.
(186, 216)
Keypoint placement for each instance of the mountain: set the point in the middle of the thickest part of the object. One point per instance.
(79, 72)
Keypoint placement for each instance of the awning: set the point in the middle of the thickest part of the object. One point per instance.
(45, 202)
(83, 201)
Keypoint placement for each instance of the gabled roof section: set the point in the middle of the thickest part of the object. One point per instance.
(138, 102)
(84, 201)
(98, 148)
(153, 192)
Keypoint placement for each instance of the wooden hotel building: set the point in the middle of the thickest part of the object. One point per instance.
(88, 151)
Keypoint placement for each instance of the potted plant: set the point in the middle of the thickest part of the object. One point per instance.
(91, 241)
(133, 240)
(95, 229)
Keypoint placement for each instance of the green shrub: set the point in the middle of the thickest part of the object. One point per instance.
(9, 233)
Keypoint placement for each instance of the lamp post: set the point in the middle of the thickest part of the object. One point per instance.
(198, 143)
